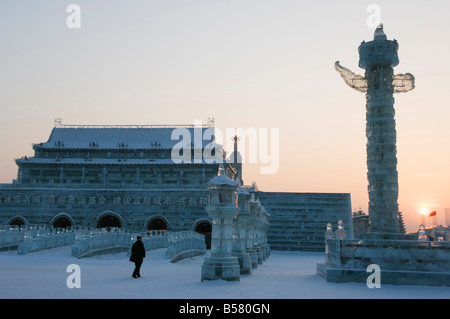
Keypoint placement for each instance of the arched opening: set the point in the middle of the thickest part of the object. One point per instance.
(62, 222)
(205, 228)
(157, 224)
(17, 221)
(107, 221)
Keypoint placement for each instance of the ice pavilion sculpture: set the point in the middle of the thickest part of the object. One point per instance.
(378, 57)
(223, 209)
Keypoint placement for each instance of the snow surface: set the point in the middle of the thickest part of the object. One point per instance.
(284, 275)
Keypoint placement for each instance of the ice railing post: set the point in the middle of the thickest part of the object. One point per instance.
(333, 243)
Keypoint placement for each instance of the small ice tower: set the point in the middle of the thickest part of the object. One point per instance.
(223, 209)
(378, 57)
(240, 227)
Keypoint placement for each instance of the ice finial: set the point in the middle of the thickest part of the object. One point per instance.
(221, 170)
(379, 33)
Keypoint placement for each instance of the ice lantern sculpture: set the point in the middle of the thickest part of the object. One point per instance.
(223, 209)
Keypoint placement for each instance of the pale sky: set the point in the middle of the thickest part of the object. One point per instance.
(246, 63)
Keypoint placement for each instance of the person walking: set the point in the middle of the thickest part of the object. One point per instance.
(137, 256)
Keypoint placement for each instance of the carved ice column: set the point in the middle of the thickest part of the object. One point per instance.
(378, 57)
(222, 209)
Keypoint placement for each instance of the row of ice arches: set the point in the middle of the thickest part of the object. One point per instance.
(112, 220)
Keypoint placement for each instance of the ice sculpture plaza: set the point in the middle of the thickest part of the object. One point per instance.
(96, 187)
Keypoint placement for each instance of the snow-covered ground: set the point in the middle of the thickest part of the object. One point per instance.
(284, 275)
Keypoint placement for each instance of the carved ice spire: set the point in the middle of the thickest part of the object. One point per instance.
(379, 33)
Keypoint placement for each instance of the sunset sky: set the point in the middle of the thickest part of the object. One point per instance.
(247, 64)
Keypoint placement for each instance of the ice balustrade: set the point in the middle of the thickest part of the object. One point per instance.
(92, 242)
(88, 241)
(392, 254)
(389, 254)
(40, 238)
(185, 241)
(154, 239)
(10, 237)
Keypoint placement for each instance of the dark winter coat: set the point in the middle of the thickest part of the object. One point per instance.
(137, 252)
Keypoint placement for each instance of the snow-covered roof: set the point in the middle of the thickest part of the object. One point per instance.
(221, 180)
(126, 138)
(243, 191)
(102, 161)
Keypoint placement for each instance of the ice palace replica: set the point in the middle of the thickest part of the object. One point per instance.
(402, 259)
(123, 176)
